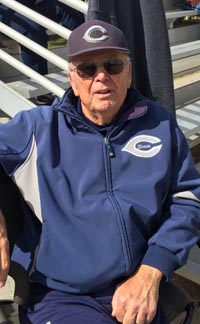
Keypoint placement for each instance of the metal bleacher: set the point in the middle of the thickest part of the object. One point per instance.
(10, 98)
(191, 270)
(29, 83)
(185, 54)
(188, 118)
(185, 50)
(30, 88)
(173, 15)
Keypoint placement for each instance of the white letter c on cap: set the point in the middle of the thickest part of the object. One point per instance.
(88, 34)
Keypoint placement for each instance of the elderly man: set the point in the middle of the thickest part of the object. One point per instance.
(109, 176)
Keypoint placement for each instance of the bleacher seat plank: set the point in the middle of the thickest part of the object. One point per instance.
(180, 13)
(11, 101)
(188, 118)
(29, 88)
(184, 50)
(191, 270)
(173, 15)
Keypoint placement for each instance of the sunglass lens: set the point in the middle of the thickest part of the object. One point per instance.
(86, 70)
(114, 66)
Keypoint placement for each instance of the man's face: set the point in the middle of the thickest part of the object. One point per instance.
(103, 94)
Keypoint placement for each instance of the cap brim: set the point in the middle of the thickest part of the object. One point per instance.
(98, 49)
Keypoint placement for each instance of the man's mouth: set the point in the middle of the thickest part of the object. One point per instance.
(106, 91)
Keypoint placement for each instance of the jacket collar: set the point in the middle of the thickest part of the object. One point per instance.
(134, 106)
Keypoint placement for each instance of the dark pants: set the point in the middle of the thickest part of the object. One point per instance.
(52, 9)
(50, 306)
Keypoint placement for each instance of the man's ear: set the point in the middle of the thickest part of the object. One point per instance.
(130, 75)
(73, 83)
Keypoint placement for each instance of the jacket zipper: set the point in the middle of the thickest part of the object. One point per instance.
(109, 148)
(111, 154)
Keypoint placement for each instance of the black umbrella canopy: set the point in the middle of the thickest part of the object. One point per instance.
(144, 25)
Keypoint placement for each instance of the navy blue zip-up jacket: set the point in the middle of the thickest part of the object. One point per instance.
(106, 203)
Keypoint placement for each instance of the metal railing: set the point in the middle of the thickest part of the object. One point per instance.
(77, 4)
(38, 18)
(49, 85)
(55, 59)
(25, 41)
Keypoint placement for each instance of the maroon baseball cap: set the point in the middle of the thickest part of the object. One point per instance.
(95, 35)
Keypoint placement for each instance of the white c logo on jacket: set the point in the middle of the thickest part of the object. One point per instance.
(143, 146)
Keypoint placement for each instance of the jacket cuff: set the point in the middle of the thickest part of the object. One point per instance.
(162, 259)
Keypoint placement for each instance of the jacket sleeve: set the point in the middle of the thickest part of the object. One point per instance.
(15, 141)
(179, 231)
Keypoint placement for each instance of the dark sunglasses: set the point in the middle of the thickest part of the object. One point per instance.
(88, 69)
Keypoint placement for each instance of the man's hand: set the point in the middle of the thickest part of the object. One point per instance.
(135, 300)
(4, 252)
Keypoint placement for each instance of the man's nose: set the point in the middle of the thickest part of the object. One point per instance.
(101, 72)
